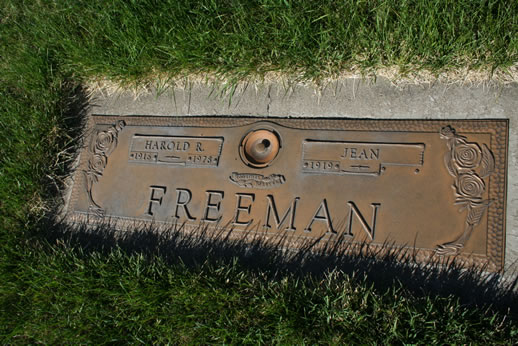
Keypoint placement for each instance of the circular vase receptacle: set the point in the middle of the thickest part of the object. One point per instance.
(260, 147)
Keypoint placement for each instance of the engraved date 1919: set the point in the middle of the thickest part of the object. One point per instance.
(321, 165)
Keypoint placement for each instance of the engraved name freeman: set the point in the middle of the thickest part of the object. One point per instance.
(274, 217)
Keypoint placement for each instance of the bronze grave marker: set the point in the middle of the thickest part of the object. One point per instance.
(438, 186)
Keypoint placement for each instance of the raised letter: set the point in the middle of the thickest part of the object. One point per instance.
(375, 154)
(154, 199)
(211, 205)
(317, 217)
(240, 208)
(183, 203)
(370, 230)
(279, 222)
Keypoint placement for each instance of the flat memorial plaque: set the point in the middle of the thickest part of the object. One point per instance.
(436, 186)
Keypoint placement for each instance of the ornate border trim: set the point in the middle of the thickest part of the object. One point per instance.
(102, 145)
(469, 164)
(496, 187)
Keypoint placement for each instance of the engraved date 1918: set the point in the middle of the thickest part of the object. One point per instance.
(143, 156)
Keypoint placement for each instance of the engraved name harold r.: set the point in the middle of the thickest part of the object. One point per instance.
(175, 150)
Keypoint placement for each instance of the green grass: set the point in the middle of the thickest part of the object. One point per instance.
(131, 40)
(58, 292)
(119, 298)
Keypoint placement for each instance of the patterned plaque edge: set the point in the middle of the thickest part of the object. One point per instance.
(496, 185)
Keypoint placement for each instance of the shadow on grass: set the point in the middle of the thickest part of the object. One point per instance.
(381, 266)
(74, 106)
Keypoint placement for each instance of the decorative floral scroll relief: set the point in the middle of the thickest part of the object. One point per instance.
(102, 145)
(469, 164)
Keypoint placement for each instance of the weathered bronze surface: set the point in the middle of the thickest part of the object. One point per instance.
(436, 186)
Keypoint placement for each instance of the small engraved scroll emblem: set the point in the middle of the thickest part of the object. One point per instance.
(469, 164)
(257, 181)
(101, 146)
(359, 158)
